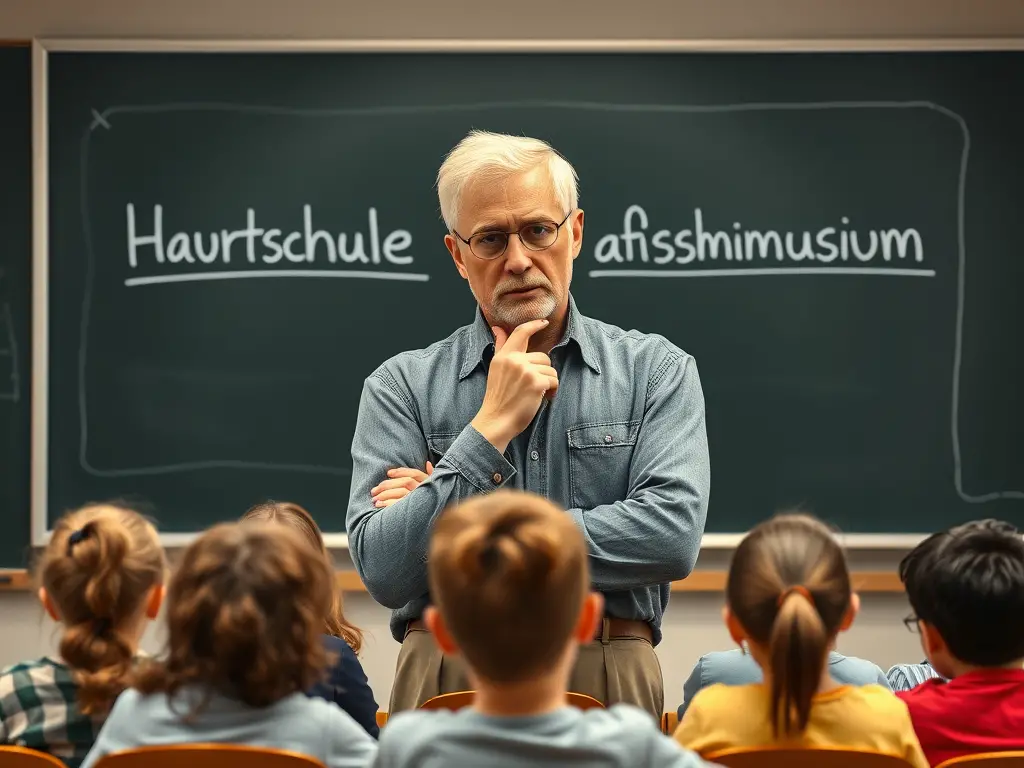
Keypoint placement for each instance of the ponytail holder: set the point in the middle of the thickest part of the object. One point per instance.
(796, 590)
(76, 537)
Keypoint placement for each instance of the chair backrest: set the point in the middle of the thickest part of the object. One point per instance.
(460, 699)
(804, 757)
(207, 756)
(382, 719)
(988, 760)
(20, 757)
(669, 722)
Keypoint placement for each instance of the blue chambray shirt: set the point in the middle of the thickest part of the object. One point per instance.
(622, 446)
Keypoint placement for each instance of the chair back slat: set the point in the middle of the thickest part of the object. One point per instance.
(804, 757)
(207, 756)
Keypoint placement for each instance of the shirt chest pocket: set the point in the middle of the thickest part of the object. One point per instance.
(599, 459)
(439, 444)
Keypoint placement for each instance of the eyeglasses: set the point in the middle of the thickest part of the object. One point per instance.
(911, 623)
(535, 236)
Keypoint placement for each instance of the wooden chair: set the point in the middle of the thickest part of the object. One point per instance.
(987, 760)
(669, 723)
(206, 756)
(460, 699)
(20, 757)
(807, 757)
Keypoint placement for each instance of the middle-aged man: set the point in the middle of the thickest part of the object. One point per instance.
(531, 395)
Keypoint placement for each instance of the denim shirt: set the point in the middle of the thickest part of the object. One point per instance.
(622, 446)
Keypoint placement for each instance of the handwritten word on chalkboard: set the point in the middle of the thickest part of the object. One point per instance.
(699, 243)
(262, 245)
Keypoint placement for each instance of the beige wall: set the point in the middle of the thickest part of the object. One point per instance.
(692, 625)
(654, 19)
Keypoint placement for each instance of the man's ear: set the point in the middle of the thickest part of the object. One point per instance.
(576, 229)
(454, 247)
(48, 606)
(736, 630)
(931, 640)
(154, 601)
(851, 612)
(591, 614)
(435, 623)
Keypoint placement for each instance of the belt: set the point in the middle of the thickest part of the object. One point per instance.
(616, 628)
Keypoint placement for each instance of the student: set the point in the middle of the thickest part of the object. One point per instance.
(966, 588)
(736, 667)
(345, 684)
(244, 618)
(788, 596)
(508, 574)
(101, 577)
(903, 677)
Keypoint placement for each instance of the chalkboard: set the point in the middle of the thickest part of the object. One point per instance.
(862, 361)
(15, 301)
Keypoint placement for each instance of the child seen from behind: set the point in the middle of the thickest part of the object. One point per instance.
(101, 578)
(245, 612)
(788, 596)
(511, 589)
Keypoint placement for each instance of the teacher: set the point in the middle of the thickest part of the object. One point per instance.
(531, 395)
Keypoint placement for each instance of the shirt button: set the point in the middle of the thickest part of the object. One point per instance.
(496, 477)
(607, 438)
(534, 455)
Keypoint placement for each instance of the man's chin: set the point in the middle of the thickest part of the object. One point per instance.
(513, 312)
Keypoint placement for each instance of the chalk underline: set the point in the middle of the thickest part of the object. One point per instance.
(761, 272)
(243, 275)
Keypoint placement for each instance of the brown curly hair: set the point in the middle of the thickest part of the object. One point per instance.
(100, 566)
(290, 514)
(244, 617)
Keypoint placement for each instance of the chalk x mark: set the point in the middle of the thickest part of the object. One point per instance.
(98, 119)
(551, 105)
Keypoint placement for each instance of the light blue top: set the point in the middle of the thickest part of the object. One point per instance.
(297, 723)
(619, 737)
(622, 446)
(735, 668)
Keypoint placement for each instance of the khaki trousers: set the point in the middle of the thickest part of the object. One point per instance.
(612, 670)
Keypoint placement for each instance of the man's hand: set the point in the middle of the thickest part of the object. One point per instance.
(400, 483)
(517, 383)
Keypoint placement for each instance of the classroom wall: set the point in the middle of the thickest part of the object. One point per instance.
(692, 624)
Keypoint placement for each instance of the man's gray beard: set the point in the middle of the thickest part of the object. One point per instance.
(512, 313)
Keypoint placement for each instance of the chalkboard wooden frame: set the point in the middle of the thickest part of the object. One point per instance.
(42, 47)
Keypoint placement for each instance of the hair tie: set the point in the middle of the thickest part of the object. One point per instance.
(77, 536)
(796, 590)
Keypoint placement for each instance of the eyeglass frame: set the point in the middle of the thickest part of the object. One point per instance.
(517, 233)
(912, 623)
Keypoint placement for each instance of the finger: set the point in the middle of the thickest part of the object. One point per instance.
(500, 337)
(430, 468)
(399, 482)
(538, 358)
(393, 493)
(416, 474)
(387, 503)
(546, 370)
(520, 338)
(552, 382)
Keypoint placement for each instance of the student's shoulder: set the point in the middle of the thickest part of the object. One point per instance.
(927, 693)
(721, 696)
(405, 732)
(877, 703)
(338, 646)
(636, 735)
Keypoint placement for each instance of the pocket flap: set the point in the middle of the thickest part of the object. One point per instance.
(439, 444)
(607, 435)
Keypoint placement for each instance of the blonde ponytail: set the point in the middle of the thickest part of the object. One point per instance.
(100, 566)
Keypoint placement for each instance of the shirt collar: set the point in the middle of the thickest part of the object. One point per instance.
(481, 341)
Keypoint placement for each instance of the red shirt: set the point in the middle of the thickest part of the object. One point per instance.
(978, 712)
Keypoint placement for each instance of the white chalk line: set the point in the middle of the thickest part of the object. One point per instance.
(195, 277)
(586, 106)
(761, 272)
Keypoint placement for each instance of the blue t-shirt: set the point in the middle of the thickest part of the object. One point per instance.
(619, 737)
(346, 685)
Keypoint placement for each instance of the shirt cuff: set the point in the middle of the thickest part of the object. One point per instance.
(473, 457)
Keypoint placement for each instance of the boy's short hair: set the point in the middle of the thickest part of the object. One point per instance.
(968, 583)
(508, 573)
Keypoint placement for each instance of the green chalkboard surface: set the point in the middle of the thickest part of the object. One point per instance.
(15, 298)
(237, 240)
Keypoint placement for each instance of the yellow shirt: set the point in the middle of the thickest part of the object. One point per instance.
(868, 717)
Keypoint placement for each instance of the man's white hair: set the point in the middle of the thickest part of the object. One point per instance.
(489, 157)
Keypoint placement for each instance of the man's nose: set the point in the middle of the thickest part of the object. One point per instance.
(518, 259)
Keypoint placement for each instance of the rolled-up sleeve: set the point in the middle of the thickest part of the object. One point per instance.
(666, 504)
(389, 545)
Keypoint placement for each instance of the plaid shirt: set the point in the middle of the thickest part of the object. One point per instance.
(39, 710)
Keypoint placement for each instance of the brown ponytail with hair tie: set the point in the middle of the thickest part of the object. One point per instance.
(796, 589)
